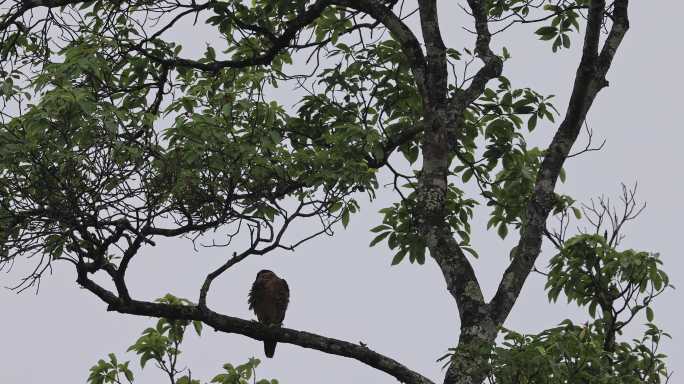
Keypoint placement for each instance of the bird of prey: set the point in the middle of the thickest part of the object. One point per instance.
(268, 298)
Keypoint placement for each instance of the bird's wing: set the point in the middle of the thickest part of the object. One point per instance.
(282, 299)
(253, 292)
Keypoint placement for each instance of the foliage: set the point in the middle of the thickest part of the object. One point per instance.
(573, 353)
(401, 231)
(590, 272)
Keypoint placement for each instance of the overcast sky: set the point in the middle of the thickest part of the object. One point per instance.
(342, 288)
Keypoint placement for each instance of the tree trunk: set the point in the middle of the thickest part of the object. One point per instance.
(470, 362)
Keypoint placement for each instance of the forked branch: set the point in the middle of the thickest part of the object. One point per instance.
(590, 79)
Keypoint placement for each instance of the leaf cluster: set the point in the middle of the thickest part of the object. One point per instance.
(590, 272)
(401, 230)
(505, 171)
(574, 354)
(161, 345)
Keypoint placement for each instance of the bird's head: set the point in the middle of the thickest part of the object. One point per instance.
(265, 274)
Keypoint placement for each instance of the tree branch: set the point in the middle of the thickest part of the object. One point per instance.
(590, 79)
(431, 211)
(436, 53)
(458, 273)
(27, 5)
(255, 330)
(456, 269)
(493, 64)
(278, 44)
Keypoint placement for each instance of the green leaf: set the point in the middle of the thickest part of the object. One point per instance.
(507, 100)
(399, 256)
(334, 207)
(523, 110)
(649, 314)
(198, 327)
(506, 54)
(211, 53)
(418, 254)
(345, 217)
(411, 154)
(471, 251)
(379, 238)
(188, 104)
(380, 228)
(566, 40)
(467, 175)
(544, 32)
(502, 230)
(532, 123)
(392, 242)
(577, 212)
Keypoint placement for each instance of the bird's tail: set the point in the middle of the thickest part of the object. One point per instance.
(269, 347)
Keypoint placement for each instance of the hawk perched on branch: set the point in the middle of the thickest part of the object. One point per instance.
(268, 298)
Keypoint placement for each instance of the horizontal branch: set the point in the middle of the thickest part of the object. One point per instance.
(255, 330)
(27, 5)
(278, 44)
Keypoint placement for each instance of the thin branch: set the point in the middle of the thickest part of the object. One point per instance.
(588, 147)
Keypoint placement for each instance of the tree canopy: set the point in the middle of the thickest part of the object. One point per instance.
(112, 139)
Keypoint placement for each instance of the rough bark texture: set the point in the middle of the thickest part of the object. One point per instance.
(480, 321)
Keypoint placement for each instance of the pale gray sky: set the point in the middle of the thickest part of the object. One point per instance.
(343, 289)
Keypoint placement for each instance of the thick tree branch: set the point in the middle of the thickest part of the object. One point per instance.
(458, 273)
(615, 36)
(471, 306)
(590, 79)
(431, 210)
(255, 330)
(437, 75)
(459, 276)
